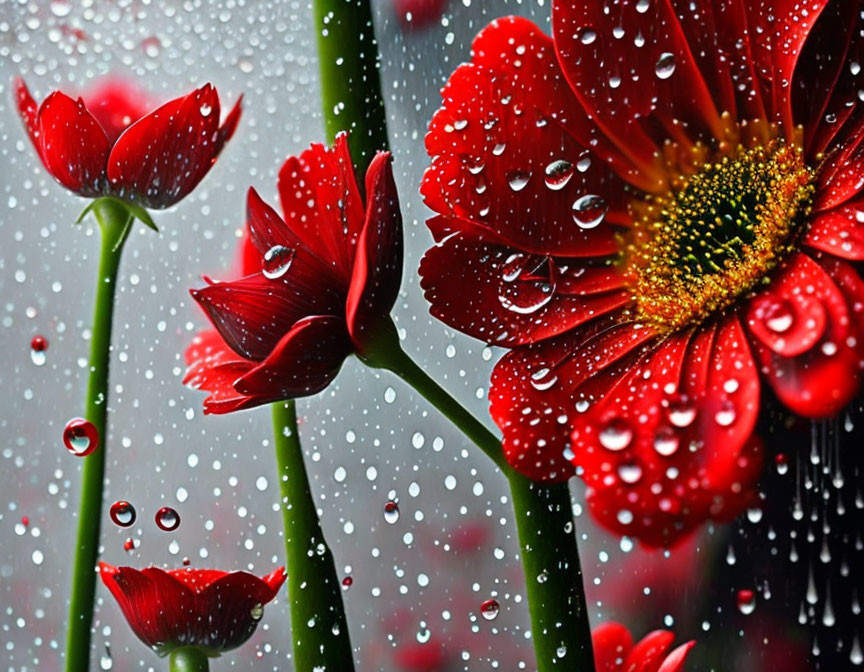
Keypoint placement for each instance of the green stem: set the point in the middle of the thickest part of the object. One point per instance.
(189, 659)
(115, 223)
(318, 625)
(350, 79)
(550, 557)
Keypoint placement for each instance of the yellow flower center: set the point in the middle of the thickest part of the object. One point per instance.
(720, 229)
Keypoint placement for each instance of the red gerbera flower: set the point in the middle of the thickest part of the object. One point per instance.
(327, 276)
(651, 208)
(614, 651)
(106, 144)
(204, 608)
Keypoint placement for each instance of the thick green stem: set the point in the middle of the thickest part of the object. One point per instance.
(115, 223)
(189, 659)
(350, 79)
(550, 557)
(319, 629)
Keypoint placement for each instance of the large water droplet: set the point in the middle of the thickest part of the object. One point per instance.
(490, 609)
(587, 35)
(167, 519)
(589, 211)
(391, 512)
(681, 413)
(558, 174)
(666, 442)
(518, 179)
(630, 473)
(257, 612)
(80, 437)
(665, 65)
(725, 416)
(746, 601)
(38, 346)
(122, 513)
(616, 435)
(277, 261)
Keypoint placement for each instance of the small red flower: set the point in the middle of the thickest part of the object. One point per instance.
(321, 285)
(614, 651)
(205, 608)
(106, 143)
(651, 208)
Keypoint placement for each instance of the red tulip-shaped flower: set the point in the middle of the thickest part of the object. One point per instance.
(108, 142)
(318, 286)
(659, 211)
(614, 651)
(206, 609)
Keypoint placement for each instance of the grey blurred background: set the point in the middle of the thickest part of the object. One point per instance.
(368, 438)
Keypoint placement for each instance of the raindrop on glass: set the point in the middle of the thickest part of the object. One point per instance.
(490, 609)
(122, 513)
(80, 437)
(167, 519)
(391, 512)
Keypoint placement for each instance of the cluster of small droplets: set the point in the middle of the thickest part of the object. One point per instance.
(716, 233)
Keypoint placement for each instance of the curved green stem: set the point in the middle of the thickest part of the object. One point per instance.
(350, 79)
(189, 659)
(544, 518)
(319, 629)
(115, 223)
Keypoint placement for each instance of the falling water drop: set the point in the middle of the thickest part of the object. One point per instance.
(38, 346)
(490, 609)
(746, 601)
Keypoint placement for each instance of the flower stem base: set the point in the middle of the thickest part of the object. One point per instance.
(189, 659)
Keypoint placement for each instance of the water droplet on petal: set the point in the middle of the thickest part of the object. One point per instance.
(666, 442)
(80, 437)
(665, 65)
(587, 35)
(167, 519)
(205, 110)
(630, 473)
(726, 415)
(490, 609)
(589, 211)
(558, 174)
(257, 612)
(543, 378)
(391, 512)
(518, 179)
(778, 317)
(616, 435)
(681, 413)
(277, 261)
(122, 513)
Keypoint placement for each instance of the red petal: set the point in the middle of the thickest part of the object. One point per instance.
(322, 204)
(622, 80)
(839, 231)
(675, 661)
(377, 270)
(304, 362)
(534, 398)
(667, 444)
(789, 324)
(74, 146)
(647, 654)
(116, 104)
(505, 297)
(842, 174)
(506, 162)
(196, 580)
(214, 367)
(162, 157)
(823, 379)
(611, 643)
(28, 111)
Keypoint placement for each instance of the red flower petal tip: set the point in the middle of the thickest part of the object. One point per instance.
(615, 651)
(212, 610)
(108, 142)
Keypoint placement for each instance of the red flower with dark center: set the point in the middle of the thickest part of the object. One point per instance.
(204, 608)
(321, 288)
(650, 208)
(614, 651)
(106, 143)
